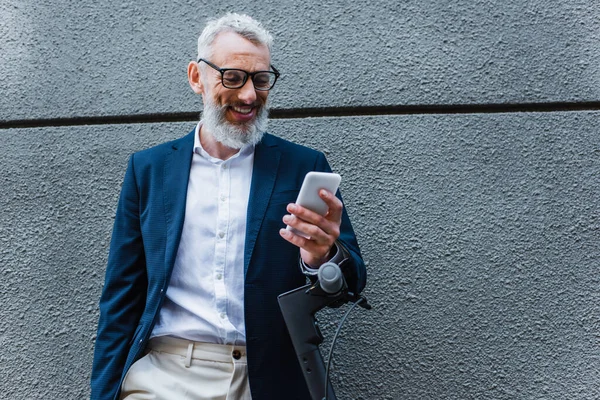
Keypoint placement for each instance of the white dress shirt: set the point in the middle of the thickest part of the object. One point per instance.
(205, 298)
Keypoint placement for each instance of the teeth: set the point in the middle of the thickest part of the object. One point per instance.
(242, 110)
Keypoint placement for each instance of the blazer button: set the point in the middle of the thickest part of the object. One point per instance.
(236, 354)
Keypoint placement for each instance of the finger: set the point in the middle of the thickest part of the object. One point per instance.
(313, 224)
(316, 251)
(308, 215)
(334, 204)
(294, 238)
(315, 232)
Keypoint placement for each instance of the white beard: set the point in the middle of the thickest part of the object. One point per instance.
(232, 135)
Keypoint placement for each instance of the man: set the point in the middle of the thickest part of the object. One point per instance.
(199, 252)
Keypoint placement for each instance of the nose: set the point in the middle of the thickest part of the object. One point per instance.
(247, 93)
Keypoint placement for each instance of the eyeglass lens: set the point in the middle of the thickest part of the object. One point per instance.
(234, 79)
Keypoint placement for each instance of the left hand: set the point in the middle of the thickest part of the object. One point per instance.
(323, 231)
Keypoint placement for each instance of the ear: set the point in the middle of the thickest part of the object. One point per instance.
(194, 78)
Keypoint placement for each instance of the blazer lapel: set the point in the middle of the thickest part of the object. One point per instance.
(264, 173)
(176, 175)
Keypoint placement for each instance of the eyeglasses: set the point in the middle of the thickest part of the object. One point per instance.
(233, 78)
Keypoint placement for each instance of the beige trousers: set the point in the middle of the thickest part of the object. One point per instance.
(179, 369)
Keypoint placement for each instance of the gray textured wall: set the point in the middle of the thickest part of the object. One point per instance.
(481, 229)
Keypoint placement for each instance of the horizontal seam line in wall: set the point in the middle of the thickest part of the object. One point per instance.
(316, 112)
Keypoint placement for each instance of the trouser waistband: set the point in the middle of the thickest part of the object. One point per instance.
(198, 350)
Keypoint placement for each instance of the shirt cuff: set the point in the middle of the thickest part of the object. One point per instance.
(337, 259)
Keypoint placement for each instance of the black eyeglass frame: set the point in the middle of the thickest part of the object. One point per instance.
(246, 75)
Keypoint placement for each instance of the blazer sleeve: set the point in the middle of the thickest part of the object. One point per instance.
(353, 266)
(124, 293)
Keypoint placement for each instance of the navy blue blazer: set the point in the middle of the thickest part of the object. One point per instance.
(146, 234)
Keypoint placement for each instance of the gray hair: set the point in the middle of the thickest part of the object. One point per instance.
(244, 25)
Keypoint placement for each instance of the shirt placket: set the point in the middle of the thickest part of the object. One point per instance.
(221, 248)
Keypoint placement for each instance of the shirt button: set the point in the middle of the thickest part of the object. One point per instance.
(221, 234)
(222, 197)
(222, 315)
(219, 276)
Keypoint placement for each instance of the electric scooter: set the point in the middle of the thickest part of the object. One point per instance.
(299, 306)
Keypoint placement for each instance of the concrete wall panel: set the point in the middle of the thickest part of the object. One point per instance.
(480, 231)
(120, 58)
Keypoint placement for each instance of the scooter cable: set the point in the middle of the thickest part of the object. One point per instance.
(333, 343)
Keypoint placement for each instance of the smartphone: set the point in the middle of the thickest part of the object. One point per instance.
(309, 193)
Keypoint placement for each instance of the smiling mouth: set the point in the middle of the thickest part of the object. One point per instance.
(242, 113)
(243, 109)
